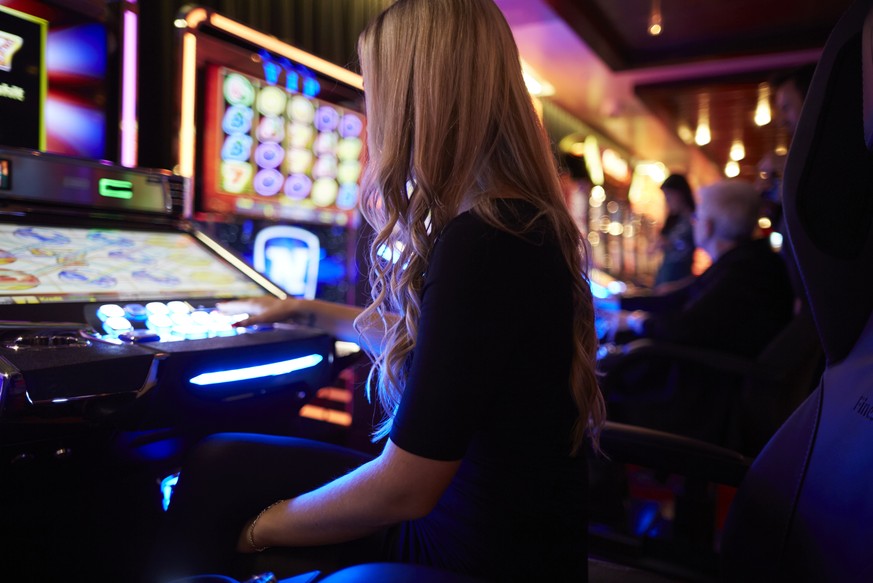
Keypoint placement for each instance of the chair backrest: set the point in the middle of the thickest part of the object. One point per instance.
(805, 510)
(790, 368)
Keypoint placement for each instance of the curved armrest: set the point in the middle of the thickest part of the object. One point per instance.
(622, 357)
(673, 453)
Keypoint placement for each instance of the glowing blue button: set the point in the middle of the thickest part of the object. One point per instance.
(107, 311)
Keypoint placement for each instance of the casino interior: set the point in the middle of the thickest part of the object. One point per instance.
(157, 158)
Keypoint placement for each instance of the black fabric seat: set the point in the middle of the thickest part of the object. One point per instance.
(803, 511)
(724, 399)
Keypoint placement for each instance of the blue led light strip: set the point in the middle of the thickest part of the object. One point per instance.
(257, 372)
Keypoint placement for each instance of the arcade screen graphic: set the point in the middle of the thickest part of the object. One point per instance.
(280, 152)
(40, 264)
(70, 115)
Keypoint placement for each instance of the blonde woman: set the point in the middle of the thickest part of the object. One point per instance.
(481, 329)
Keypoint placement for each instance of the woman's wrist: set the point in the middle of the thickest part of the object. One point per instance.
(257, 545)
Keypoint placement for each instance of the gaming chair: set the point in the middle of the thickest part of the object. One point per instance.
(805, 509)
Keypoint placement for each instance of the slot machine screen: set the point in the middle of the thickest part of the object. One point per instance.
(55, 77)
(283, 152)
(45, 268)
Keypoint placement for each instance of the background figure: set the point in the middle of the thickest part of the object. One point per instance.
(740, 302)
(789, 92)
(737, 306)
(576, 185)
(676, 240)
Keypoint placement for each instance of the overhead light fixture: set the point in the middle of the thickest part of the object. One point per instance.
(738, 150)
(685, 133)
(762, 110)
(732, 169)
(703, 135)
(655, 18)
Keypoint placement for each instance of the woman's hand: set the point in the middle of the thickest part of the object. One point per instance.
(335, 319)
(263, 310)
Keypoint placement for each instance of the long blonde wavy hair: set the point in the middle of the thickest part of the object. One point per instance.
(450, 123)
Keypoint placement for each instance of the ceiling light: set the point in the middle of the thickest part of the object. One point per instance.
(655, 18)
(738, 150)
(732, 169)
(703, 135)
(685, 133)
(762, 110)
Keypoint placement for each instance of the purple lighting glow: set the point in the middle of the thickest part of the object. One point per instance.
(129, 129)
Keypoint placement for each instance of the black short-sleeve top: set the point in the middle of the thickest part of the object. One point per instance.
(488, 385)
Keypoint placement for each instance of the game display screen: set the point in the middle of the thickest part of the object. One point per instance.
(279, 151)
(54, 86)
(42, 264)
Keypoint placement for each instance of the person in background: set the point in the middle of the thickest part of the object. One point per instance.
(789, 92)
(790, 88)
(676, 239)
(740, 302)
(736, 307)
(576, 185)
(481, 332)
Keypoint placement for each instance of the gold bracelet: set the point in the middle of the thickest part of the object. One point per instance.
(255, 547)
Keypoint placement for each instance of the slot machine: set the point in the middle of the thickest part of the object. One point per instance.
(273, 140)
(107, 308)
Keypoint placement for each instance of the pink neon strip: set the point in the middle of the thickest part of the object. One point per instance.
(129, 137)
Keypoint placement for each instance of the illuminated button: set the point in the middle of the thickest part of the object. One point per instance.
(157, 309)
(221, 324)
(201, 318)
(177, 307)
(191, 332)
(139, 336)
(136, 312)
(180, 320)
(159, 322)
(259, 327)
(219, 329)
(116, 325)
(107, 311)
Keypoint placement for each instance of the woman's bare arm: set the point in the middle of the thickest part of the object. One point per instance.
(396, 486)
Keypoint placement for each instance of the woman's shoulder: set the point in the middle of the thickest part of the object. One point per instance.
(514, 219)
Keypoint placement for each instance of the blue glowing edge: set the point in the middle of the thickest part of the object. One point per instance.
(257, 372)
(167, 485)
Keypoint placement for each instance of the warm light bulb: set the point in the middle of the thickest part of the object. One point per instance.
(685, 133)
(702, 136)
(655, 18)
(762, 110)
(732, 169)
(738, 150)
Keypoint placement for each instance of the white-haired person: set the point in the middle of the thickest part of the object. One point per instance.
(481, 334)
(742, 299)
(738, 305)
